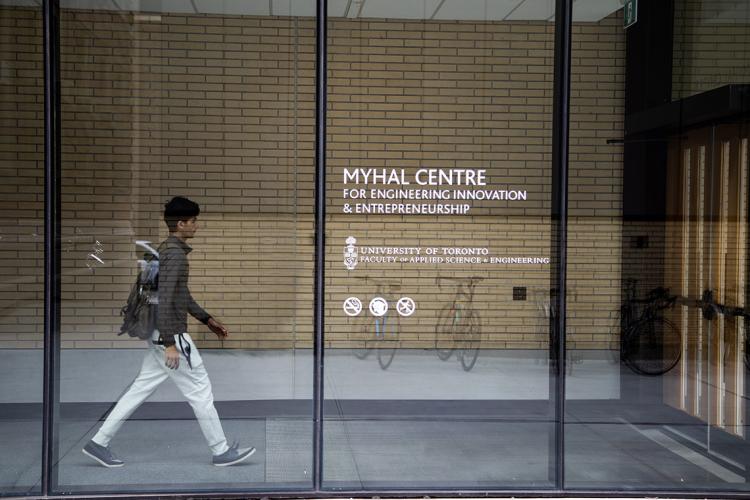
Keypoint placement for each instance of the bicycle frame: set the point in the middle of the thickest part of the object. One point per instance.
(461, 316)
(385, 352)
(650, 344)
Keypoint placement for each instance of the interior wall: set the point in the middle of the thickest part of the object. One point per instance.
(22, 174)
(220, 108)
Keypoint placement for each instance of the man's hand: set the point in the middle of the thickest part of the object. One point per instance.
(219, 329)
(172, 357)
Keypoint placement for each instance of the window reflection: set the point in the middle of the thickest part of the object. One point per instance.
(21, 248)
(439, 235)
(678, 228)
(212, 103)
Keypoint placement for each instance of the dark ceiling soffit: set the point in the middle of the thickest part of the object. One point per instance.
(712, 106)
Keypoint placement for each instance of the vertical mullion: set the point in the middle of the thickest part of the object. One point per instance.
(320, 217)
(52, 223)
(560, 128)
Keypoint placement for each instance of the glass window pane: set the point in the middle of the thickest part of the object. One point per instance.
(657, 391)
(21, 247)
(439, 162)
(214, 103)
(710, 45)
(596, 242)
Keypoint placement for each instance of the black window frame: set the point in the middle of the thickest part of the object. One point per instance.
(558, 243)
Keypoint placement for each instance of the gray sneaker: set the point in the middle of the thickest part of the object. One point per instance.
(233, 455)
(102, 454)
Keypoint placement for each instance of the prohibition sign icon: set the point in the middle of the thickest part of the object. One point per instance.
(378, 306)
(352, 306)
(405, 306)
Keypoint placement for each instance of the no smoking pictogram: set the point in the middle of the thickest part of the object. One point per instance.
(352, 306)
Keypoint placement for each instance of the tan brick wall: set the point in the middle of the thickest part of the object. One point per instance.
(595, 225)
(221, 109)
(22, 174)
(468, 95)
(711, 47)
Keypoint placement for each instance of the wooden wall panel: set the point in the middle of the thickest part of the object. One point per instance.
(707, 240)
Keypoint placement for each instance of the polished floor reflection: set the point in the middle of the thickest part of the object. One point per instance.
(21, 438)
(645, 456)
(414, 439)
(20, 421)
(160, 454)
(437, 454)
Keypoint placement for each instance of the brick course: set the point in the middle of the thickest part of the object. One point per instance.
(221, 109)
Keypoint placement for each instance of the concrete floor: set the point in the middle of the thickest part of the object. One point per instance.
(422, 424)
(101, 375)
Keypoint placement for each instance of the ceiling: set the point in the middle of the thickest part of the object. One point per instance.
(458, 10)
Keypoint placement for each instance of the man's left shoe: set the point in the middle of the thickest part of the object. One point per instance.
(233, 455)
(102, 454)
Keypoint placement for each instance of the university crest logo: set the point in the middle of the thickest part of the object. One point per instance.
(350, 253)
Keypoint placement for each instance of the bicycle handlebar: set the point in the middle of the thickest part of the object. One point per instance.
(711, 308)
(656, 295)
(661, 299)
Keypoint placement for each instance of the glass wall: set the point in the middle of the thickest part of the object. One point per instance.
(438, 259)
(212, 102)
(657, 393)
(598, 442)
(711, 45)
(188, 187)
(21, 247)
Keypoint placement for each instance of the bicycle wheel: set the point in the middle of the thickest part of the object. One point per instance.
(444, 341)
(471, 332)
(387, 340)
(364, 337)
(652, 346)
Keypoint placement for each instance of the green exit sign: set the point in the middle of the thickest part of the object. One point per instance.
(630, 13)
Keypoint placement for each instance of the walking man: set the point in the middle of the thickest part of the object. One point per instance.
(171, 351)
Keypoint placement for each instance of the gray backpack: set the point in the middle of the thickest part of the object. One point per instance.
(142, 308)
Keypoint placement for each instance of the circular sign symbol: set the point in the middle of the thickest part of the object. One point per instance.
(352, 306)
(405, 306)
(378, 306)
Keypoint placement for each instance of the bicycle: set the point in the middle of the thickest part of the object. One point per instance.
(546, 305)
(380, 333)
(459, 326)
(650, 343)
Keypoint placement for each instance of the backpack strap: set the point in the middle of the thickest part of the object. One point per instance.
(185, 348)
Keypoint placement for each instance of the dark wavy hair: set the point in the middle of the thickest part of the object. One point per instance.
(178, 209)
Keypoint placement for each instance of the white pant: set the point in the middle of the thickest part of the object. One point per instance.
(193, 383)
